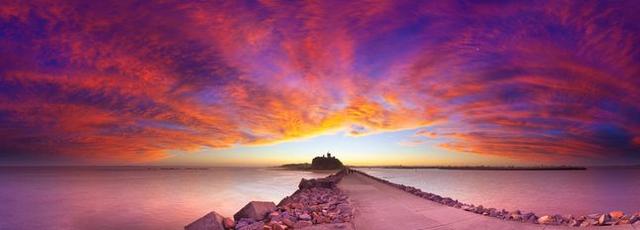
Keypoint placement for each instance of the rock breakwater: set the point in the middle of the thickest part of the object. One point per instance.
(316, 202)
(597, 219)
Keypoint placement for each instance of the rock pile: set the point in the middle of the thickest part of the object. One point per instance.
(317, 201)
(306, 207)
(599, 219)
(211, 221)
(329, 182)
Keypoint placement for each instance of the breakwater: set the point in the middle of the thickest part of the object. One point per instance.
(316, 202)
(596, 219)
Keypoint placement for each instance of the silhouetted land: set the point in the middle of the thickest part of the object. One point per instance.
(301, 166)
(324, 162)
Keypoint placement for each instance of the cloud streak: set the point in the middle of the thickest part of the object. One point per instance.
(128, 82)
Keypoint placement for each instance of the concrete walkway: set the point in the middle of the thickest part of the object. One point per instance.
(380, 206)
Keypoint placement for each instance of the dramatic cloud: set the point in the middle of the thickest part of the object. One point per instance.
(129, 81)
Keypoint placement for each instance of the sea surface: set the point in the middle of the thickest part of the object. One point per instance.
(141, 198)
(576, 192)
(133, 198)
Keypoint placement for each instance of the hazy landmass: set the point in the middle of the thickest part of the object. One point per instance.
(299, 166)
(324, 162)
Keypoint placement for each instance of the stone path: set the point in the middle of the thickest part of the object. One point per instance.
(380, 206)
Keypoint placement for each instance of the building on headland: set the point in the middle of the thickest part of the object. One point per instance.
(326, 162)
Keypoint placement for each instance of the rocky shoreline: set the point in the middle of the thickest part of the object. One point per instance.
(597, 219)
(317, 203)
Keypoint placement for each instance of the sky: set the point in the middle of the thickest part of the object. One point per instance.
(238, 83)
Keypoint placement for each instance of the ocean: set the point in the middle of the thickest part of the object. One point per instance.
(154, 198)
(576, 192)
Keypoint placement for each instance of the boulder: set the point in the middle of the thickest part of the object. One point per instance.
(256, 210)
(625, 220)
(211, 221)
(515, 217)
(296, 205)
(278, 227)
(228, 223)
(616, 215)
(546, 219)
(253, 226)
(574, 223)
(302, 224)
(321, 220)
(275, 216)
(588, 222)
(288, 222)
(286, 200)
(304, 216)
(603, 219)
(565, 219)
(244, 222)
(304, 183)
(320, 182)
(491, 210)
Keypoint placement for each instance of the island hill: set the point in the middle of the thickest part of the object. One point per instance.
(329, 162)
(324, 162)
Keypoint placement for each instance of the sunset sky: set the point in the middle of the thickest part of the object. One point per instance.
(235, 83)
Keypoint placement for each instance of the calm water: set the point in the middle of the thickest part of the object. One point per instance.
(543, 192)
(132, 199)
(168, 199)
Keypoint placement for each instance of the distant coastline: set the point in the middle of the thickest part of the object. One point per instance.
(322, 163)
(302, 167)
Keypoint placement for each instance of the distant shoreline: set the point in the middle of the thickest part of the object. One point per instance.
(307, 167)
(302, 167)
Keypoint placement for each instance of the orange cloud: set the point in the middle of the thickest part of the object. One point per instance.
(120, 82)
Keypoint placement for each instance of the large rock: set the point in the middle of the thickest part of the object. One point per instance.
(531, 218)
(604, 218)
(302, 224)
(211, 221)
(616, 214)
(546, 220)
(256, 210)
(574, 223)
(304, 216)
(329, 182)
(288, 222)
(588, 222)
(253, 226)
(277, 226)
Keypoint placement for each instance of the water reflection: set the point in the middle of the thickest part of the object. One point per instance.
(82, 198)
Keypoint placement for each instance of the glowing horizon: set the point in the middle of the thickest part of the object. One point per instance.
(268, 82)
